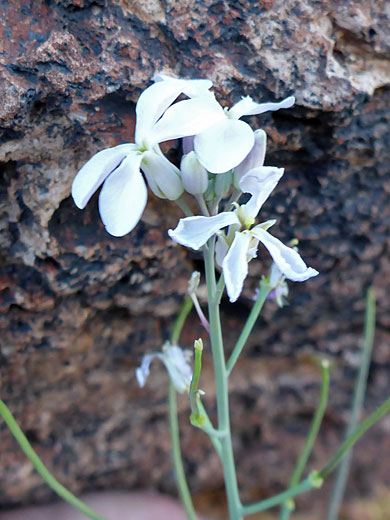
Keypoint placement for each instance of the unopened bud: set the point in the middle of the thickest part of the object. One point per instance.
(163, 177)
(254, 159)
(193, 282)
(209, 194)
(223, 182)
(193, 174)
(198, 344)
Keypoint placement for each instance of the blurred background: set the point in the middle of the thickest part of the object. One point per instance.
(79, 307)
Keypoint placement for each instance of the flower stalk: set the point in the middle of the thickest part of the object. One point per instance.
(221, 379)
(288, 506)
(357, 404)
(265, 289)
(41, 469)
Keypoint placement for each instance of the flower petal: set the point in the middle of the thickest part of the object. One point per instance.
(255, 157)
(247, 107)
(163, 177)
(221, 248)
(194, 87)
(224, 145)
(143, 371)
(195, 231)
(235, 265)
(259, 182)
(188, 117)
(95, 171)
(176, 363)
(123, 197)
(286, 258)
(179, 370)
(152, 103)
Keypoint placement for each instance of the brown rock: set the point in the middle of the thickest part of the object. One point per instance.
(80, 307)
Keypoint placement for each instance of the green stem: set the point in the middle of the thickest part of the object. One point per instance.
(276, 500)
(357, 405)
(202, 205)
(180, 320)
(221, 378)
(210, 428)
(355, 436)
(196, 417)
(315, 478)
(181, 481)
(220, 288)
(263, 293)
(311, 437)
(182, 203)
(178, 467)
(41, 468)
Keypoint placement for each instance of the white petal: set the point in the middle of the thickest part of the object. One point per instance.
(286, 258)
(152, 103)
(224, 145)
(123, 197)
(179, 370)
(95, 171)
(143, 371)
(235, 265)
(247, 107)
(195, 231)
(276, 276)
(221, 248)
(255, 157)
(188, 117)
(197, 87)
(194, 87)
(259, 182)
(163, 177)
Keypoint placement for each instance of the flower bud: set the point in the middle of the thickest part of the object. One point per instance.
(254, 159)
(209, 194)
(223, 182)
(193, 174)
(163, 177)
(193, 282)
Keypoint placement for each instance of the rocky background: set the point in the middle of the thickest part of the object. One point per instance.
(79, 307)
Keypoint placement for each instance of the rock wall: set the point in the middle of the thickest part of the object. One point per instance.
(79, 307)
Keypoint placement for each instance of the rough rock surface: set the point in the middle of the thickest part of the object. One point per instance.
(78, 307)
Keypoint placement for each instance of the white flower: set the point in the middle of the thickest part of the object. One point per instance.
(242, 239)
(226, 143)
(124, 194)
(277, 282)
(175, 360)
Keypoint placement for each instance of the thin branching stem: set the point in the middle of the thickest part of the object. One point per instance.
(51, 481)
(311, 437)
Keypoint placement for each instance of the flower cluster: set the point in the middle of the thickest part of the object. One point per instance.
(223, 158)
